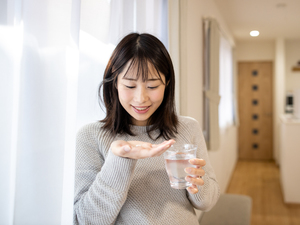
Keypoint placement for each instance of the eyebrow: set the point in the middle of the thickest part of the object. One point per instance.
(132, 79)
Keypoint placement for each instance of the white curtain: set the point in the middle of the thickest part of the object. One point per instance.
(52, 57)
(226, 107)
(149, 16)
(40, 44)
(211, 83)
(219, 97)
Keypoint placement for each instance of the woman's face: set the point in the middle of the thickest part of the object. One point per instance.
(140, 99)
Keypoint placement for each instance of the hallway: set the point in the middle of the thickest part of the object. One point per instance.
(261, 181)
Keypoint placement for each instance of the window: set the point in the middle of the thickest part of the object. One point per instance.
(226, 84)
(218, 104)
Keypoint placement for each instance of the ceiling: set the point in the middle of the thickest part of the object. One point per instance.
(272, 18)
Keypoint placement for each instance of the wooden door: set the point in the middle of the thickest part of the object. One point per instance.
(255, 139)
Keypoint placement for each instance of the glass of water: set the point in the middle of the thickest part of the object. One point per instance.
(176, 160)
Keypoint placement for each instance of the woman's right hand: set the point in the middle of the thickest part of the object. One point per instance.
(139, 149)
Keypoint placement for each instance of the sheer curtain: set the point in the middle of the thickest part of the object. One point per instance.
(226, 107)
(41, 78)
(52, 57)
(219, 102)
(211, 97)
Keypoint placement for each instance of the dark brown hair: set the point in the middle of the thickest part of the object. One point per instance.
(140, 49)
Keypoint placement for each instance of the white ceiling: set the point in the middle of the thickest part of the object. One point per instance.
(272, 18)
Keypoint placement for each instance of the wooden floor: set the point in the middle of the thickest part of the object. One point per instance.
(260, 181)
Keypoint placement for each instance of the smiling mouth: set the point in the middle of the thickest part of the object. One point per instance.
(141, 108)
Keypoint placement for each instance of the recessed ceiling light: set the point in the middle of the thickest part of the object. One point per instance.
(254, 33)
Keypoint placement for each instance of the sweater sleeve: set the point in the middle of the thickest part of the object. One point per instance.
(209, 193)
(101, 186)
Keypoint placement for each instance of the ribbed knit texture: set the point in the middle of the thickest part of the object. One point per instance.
(113, 190)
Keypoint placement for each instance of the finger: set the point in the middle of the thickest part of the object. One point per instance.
(165, 143)
(195, 171)
(144, 151)
(140, 144)
(170, 142)
(160, 144)
(193, 189)
(144, 145)
(197, 162)
(157, 151)
(141, 150)
(161, 148)
(195, 180)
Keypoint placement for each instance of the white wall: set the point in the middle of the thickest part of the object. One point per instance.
(255, 50)
(191, 75)
(292, 48)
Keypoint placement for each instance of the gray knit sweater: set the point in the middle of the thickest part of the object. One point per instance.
(113, 190)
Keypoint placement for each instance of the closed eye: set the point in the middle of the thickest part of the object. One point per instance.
(130, 87)
(153, 87)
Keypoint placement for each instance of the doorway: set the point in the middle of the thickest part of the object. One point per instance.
(255, 134)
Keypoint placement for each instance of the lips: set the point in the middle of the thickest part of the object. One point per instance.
(141, 109)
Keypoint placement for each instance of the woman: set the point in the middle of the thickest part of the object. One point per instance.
(120, 171)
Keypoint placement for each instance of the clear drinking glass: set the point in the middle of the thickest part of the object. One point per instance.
(176, 160)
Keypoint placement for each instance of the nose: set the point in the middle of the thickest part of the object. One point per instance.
(141, 95)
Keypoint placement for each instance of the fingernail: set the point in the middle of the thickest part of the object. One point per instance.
(126, 148)
(188, 179)
(187, 170)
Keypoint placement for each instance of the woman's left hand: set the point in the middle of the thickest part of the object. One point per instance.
(195, 174)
